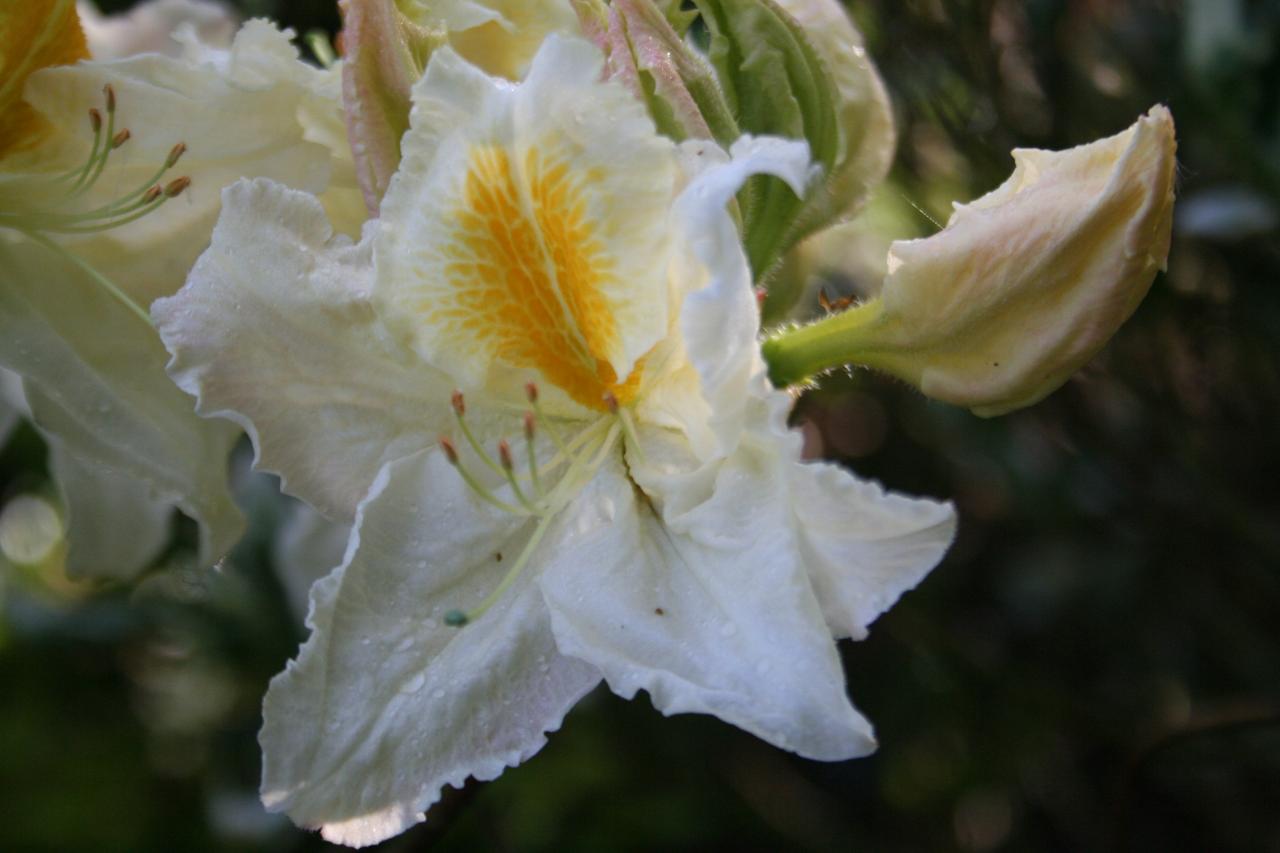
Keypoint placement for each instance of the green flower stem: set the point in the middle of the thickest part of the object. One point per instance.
(856, 336)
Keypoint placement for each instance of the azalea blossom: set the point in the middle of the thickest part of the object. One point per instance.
(90, 151)
(561, 293)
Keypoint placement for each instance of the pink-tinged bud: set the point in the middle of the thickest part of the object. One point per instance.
(459, 403)
(1022, 287)
(450, 452)
(504, 455)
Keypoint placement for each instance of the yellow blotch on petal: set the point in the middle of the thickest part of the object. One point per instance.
(34, 34)
(527, 274)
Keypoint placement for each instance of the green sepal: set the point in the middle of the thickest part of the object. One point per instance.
(776, 84)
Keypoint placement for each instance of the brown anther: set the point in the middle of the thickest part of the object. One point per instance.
(450, 452)
(152, 194)
(530, 424)
(120, 138)
(176, 186)
(611, 402)
(830, 305)
(459, 403)
(504, 455)
(531, 391)
(111, 97)
(174, 154)
(95, 119)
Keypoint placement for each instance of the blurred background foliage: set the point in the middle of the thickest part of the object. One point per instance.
(1095, 666)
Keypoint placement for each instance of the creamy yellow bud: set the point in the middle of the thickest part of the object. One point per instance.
(1022, 287)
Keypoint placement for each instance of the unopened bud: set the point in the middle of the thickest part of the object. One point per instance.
(120, 138)
(1021, 288)
(175, 154)
(176, 186)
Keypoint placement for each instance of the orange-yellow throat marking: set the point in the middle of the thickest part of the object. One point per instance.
(34, 34)
(528, 274)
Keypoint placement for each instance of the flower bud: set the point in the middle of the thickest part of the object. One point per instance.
(1022, 287)
(867, 135)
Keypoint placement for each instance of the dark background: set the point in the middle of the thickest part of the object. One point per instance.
(1095, 665)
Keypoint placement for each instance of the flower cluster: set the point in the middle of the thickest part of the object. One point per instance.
(488, 289)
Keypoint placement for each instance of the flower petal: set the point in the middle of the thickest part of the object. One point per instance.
(155, 26)
(864, 547)
(94, 378)
(708, 391)
(274, 330)
(696, 593)
(527, 229)
(307, 546)
(116, 524)
(499, 36)
(385, 705)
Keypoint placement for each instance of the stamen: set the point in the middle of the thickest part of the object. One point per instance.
(175, 154)
(573, 480)
(120, 138)
(459, 404)
(508, 469)
(99, 159)
(176, 186)
(529, 428)
(611, 402)
(451, 453)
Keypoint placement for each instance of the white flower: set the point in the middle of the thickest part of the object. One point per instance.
(84, 247)
(658, 530)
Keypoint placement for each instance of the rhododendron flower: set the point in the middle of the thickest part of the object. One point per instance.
(617, 495)
(90, 151)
